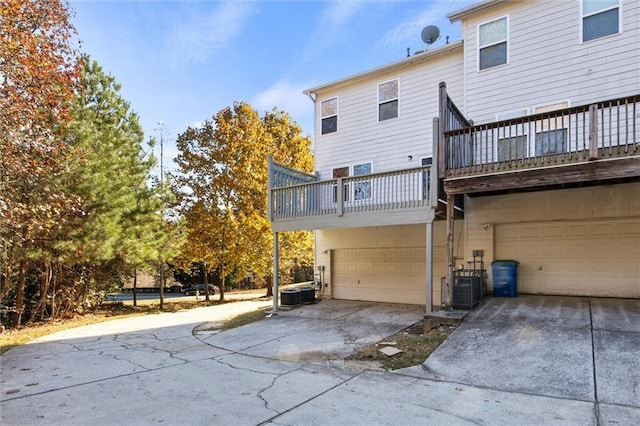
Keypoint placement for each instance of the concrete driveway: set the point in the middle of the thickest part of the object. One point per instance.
(530, 360)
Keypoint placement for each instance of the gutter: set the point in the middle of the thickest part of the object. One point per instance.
(446, 49)
(473, 9)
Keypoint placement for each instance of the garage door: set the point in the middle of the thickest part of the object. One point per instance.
(394, 275)
(590, 258)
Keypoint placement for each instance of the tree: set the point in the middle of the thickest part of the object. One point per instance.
(37, 66)
(223, 180)
(118, 224)
(290, 148)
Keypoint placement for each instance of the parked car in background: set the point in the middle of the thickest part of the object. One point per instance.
(192, 289)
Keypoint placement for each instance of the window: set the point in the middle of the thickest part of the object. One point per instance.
(340, 172)
(362, 188)
(388, 100)
(551, 142)
(551, 135)
(329, 113)
(600, 18)
(512, 148)
(492, 43)
(426, 178)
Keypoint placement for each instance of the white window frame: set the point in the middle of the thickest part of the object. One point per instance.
(361, 190)
(425, 187)
(549, 128)
(396, 99)
(528, 143)
(583, 16)
(513, 135)
(346, 186)
(505, 40)
(322, 117)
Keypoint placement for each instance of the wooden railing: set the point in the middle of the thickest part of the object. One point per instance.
(603, 130)
(402, 189)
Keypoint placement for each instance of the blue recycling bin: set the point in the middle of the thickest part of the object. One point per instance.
(505, 278)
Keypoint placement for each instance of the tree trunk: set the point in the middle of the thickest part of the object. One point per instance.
(135, 287)
(162, 285)
(205, 280)
(53, 295)
(269, 281)
(22, 272)
(222, 277)
(45, 280)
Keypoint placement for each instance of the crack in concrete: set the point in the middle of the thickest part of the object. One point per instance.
(342, 382)
(219, 361)
(264, 400)
(455, 416)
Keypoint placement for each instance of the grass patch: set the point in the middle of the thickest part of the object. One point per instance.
(416, 346)
(247, 318)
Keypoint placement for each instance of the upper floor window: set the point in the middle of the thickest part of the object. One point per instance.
(329, 115)
(388, 100)
(492, 43)
(600, 18)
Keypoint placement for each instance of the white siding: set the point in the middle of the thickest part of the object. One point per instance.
(548, 62)
(387, 144)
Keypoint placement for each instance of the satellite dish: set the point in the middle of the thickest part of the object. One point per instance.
(430, 34)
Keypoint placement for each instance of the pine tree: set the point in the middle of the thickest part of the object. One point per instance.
(118, 223)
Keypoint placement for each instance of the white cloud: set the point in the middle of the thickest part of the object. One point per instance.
(409, 31)
(331, 28)
(339, 12)
(201, 34)
(287, 96)
(197, 124)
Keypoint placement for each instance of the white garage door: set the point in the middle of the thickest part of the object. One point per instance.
(394, 275)
(590, 258)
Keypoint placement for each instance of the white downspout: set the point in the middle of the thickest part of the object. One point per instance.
(429, 244)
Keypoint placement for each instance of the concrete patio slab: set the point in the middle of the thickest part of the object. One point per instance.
(556, 311)
(375, 398)
(318, 333)
(528, 360)
(617, 367)
(518, 357)
(616, 314)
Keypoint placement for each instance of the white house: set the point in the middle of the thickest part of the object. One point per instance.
(521, 141)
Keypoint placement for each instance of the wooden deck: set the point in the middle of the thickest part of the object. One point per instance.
(301, 201)
(589, 144)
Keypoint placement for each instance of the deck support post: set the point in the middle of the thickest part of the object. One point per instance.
(429, 268)
(450, 250)
(276, 268)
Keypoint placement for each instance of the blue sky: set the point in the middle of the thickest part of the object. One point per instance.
(180, 62)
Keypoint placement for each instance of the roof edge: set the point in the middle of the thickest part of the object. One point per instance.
(475, 8)
(447, 48)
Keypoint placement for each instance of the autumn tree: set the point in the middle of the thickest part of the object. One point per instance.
(223, 181)
(291, 148)
(37, 66)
